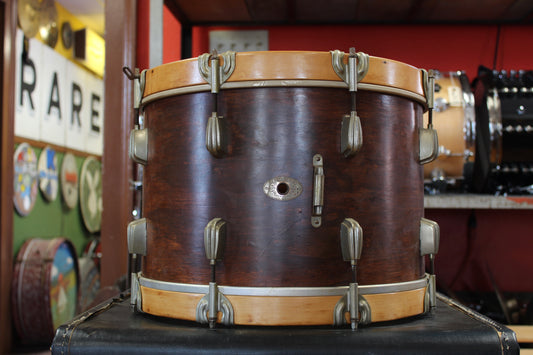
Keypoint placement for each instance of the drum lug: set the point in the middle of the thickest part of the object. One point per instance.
(430, 298)
(137, 237)
(138, 89)
(212, 303)
(214, 135)
(214, 239)
(136, 246)
(344, 305)
(351, 134)
(429, 245)
(348, 72)
(139, 80)
(351, 240)
(428, 140)
(428, 81)
(352, 245)
(429, 237)
(428, 145)
(215, 74)
(139, 146)
(136, 297)
(318, 190)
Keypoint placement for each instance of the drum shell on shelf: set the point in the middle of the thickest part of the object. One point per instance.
(454, 120)
(273, 132)
(32, 289)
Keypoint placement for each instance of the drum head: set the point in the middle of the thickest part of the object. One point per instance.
(91, 194)
(63, 285)
(25, 179)
(69, 180)
(48, 174)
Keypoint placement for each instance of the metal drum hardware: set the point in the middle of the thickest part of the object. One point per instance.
(216, 74)
(351, 73)
(429, 245)
(429, 145)
(352, 245)
(318, 190)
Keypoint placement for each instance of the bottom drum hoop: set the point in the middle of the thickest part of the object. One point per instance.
(282, 306)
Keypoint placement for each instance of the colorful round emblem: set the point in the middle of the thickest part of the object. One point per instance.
(48, 173)
(64, 286)
(25, 179)
(69, 180)
(91, 194)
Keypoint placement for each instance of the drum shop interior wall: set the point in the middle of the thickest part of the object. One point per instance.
(498, 244)
(53, 219)
(49, 220)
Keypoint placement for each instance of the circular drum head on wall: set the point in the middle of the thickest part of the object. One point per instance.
(91, 194)
(25, 179)
(64, 285)
(48, 173)
(69, 180)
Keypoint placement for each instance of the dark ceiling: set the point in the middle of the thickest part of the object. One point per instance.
(288, 12)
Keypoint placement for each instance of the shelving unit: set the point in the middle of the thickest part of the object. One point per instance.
(472, 201)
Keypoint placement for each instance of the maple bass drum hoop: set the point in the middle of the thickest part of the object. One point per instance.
(280, 110)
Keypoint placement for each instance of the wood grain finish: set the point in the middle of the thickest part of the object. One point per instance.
(275, 132)
(284, 65)
(8, 26)
(116, 166)
(283, 311)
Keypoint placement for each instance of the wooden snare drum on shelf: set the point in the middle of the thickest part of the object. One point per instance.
(262, 172)
(454, 119)
(45, 288)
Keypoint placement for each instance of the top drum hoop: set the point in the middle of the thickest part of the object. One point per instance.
(291, 68)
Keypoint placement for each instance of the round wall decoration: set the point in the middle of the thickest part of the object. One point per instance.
(69, 180)
(67, 36)
(48, 173)
(25, 179)
(91, 194)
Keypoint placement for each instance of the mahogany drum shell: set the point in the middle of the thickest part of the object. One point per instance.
(271, 132)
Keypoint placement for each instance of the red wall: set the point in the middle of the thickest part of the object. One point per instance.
(502, 240)
(171, 35)
(443, 47)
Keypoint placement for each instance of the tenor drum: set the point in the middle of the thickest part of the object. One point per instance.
(262, 165)
(454, 119)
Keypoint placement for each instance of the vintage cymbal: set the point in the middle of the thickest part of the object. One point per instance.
(34, 14)
(50, 33)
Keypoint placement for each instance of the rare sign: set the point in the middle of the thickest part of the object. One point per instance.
(57, 101)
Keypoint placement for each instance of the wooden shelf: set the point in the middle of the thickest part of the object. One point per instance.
(246, 12)
(472, 201)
